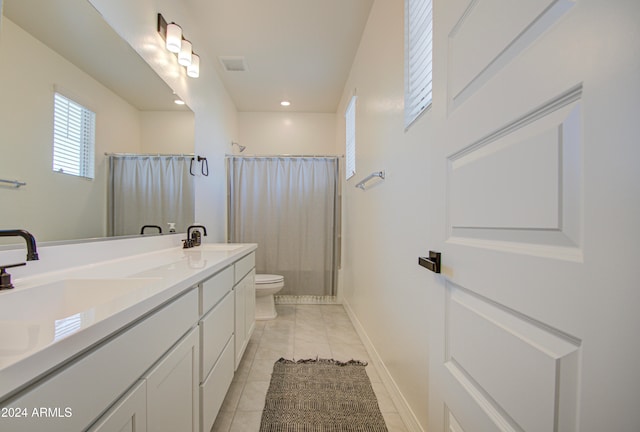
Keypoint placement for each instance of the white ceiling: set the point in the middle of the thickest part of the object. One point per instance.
(300, 50)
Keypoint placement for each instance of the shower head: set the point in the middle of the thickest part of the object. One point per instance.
(240, 147)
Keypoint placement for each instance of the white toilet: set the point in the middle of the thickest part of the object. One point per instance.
(266, 286)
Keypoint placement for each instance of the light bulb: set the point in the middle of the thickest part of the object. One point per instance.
(184, 58)
(173, 37)
(193, 70)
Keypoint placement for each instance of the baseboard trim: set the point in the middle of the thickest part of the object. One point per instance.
(406, 413)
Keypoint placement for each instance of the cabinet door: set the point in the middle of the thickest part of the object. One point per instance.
(250, 304)
(245, 295)
(239, 292)
(172, 388)
(129, 414)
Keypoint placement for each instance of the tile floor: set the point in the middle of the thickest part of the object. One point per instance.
(299, 332)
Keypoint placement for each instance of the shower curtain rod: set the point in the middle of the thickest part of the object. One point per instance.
(284, 156)
(151, 154)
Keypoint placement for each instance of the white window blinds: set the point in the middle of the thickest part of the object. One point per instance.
(73, 137)
(350, 145)
(417, 69)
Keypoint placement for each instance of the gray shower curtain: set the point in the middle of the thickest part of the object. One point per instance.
(289, 206)
(149, 190)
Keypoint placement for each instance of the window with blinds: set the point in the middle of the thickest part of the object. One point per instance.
(350, 144)
(73, 137)
(417, 69)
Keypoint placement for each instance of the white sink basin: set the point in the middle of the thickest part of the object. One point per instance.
(69, 297)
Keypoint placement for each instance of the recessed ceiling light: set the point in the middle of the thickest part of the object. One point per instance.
(285, 103)
(178, 102)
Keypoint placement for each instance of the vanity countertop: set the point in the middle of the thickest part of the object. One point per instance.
(48, 319)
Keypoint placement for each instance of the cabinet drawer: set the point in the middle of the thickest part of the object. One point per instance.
(244, 266)
(214, 288)
(214, 389)
(105, 373)
(215, 330)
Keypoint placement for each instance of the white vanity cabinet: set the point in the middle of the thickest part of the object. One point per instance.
(73, 397)
(168, 369)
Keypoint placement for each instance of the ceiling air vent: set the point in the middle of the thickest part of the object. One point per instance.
(233, 64)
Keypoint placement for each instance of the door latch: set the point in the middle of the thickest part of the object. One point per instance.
(432, 263)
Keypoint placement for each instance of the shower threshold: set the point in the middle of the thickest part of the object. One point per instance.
(305, 299)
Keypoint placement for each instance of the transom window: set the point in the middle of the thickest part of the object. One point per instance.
(418, 32)
(350, 150)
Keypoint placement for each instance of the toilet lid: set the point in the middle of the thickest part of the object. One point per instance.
(268, 278)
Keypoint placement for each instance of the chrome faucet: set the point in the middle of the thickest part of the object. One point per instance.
(32, 250)
(193, 238)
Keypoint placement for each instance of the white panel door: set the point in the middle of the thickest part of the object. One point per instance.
(536, 195)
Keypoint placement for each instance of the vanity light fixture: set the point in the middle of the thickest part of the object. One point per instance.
(177, 44)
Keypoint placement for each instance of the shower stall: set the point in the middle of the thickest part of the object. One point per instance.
(290, 207)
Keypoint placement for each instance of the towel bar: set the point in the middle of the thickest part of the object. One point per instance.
(16, 183)
(362, 185)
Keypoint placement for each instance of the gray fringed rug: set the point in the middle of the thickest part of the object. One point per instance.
(320, 395)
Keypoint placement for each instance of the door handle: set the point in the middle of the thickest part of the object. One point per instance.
(432, 263)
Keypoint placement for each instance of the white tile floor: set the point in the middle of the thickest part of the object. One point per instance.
(299, 332)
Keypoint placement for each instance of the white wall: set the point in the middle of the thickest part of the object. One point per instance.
(385, 227)
(287, 133)
(215, 113)
(53, 206)
(75, 208)
(167, 131)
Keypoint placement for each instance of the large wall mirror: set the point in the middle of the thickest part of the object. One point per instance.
(65, 46)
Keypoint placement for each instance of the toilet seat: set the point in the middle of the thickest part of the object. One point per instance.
(262, 279)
